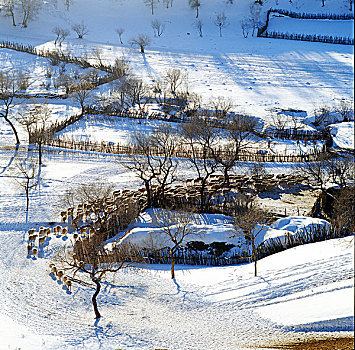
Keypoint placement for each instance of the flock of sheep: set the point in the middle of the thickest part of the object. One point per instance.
(60, 274)
(116, 212)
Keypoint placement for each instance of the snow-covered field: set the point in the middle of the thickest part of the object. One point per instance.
(343, 135)
(257, 74)
(300, 293)
(310, 26)
(206, 308)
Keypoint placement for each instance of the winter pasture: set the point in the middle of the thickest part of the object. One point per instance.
(301, 294)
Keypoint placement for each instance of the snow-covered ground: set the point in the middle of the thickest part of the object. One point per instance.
(257, 74)
(205, 308)
(343, 135)
(311, 27)
(300, 293)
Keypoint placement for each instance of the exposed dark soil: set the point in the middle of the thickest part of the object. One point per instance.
(319, 344)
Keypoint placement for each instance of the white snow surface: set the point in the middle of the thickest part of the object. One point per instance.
(310, 26)
(257, 74)
(343, 135)
(204, 308)
(307, 288)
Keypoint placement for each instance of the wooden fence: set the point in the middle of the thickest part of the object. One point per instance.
(189, 257)
(180, 152)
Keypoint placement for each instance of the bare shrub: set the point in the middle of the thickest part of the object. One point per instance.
(80, 29)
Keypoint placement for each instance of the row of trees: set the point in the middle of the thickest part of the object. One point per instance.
(206, 157)
(27, 9)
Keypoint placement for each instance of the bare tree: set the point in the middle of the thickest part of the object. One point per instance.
(168, 2)
(30, 9)
(346, 110)
(220, 22)
(176, 227)
(239, 129)
(9, 7)
(35, 121)
(138, 93)
(195, 4)
(174, 78)
(343, 211)
(325, 171)
(278, 123)
(68, 3)
(81, 92)
(246, 25)
(257, 170)
(80, 29)
(201, 139)
(142, 40)
(251, 224)
(57, 31)
(97, 53)
(255, 12)
(119, 32)
(120, 68)
(199, 26)
(61, 35)
(341, 171)
(158, 27)
(11, 83)
(315, 173)
(89, 263)
(321, 116)
(25, 176)
(151, 4)
(151, 168)
(221, 105)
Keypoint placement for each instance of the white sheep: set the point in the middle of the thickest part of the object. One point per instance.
(68, 284)
(60, 274)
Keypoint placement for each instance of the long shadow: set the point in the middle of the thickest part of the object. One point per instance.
(152, 73)
(345, 324)
(179, 290)
(11, 159)
(106, 333)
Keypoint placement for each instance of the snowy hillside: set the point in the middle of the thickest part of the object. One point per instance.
(256, 74)
(301, 294)
(143, 309)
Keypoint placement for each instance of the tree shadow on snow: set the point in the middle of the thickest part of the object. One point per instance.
(180, 291)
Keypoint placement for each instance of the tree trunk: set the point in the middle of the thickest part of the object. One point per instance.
(255, 267)
(172, 264)
(149, 194)
(13, 129)
(27, 196)
(40, 153)
(13, 18)
(255, 257)
(94, 302)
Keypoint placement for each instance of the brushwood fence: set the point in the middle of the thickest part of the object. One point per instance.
(313, 234)
(180, 152)
(308, 37)
(262, 31)
(189, 257)
(53, 55)
(296, 135)
(304, 15)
